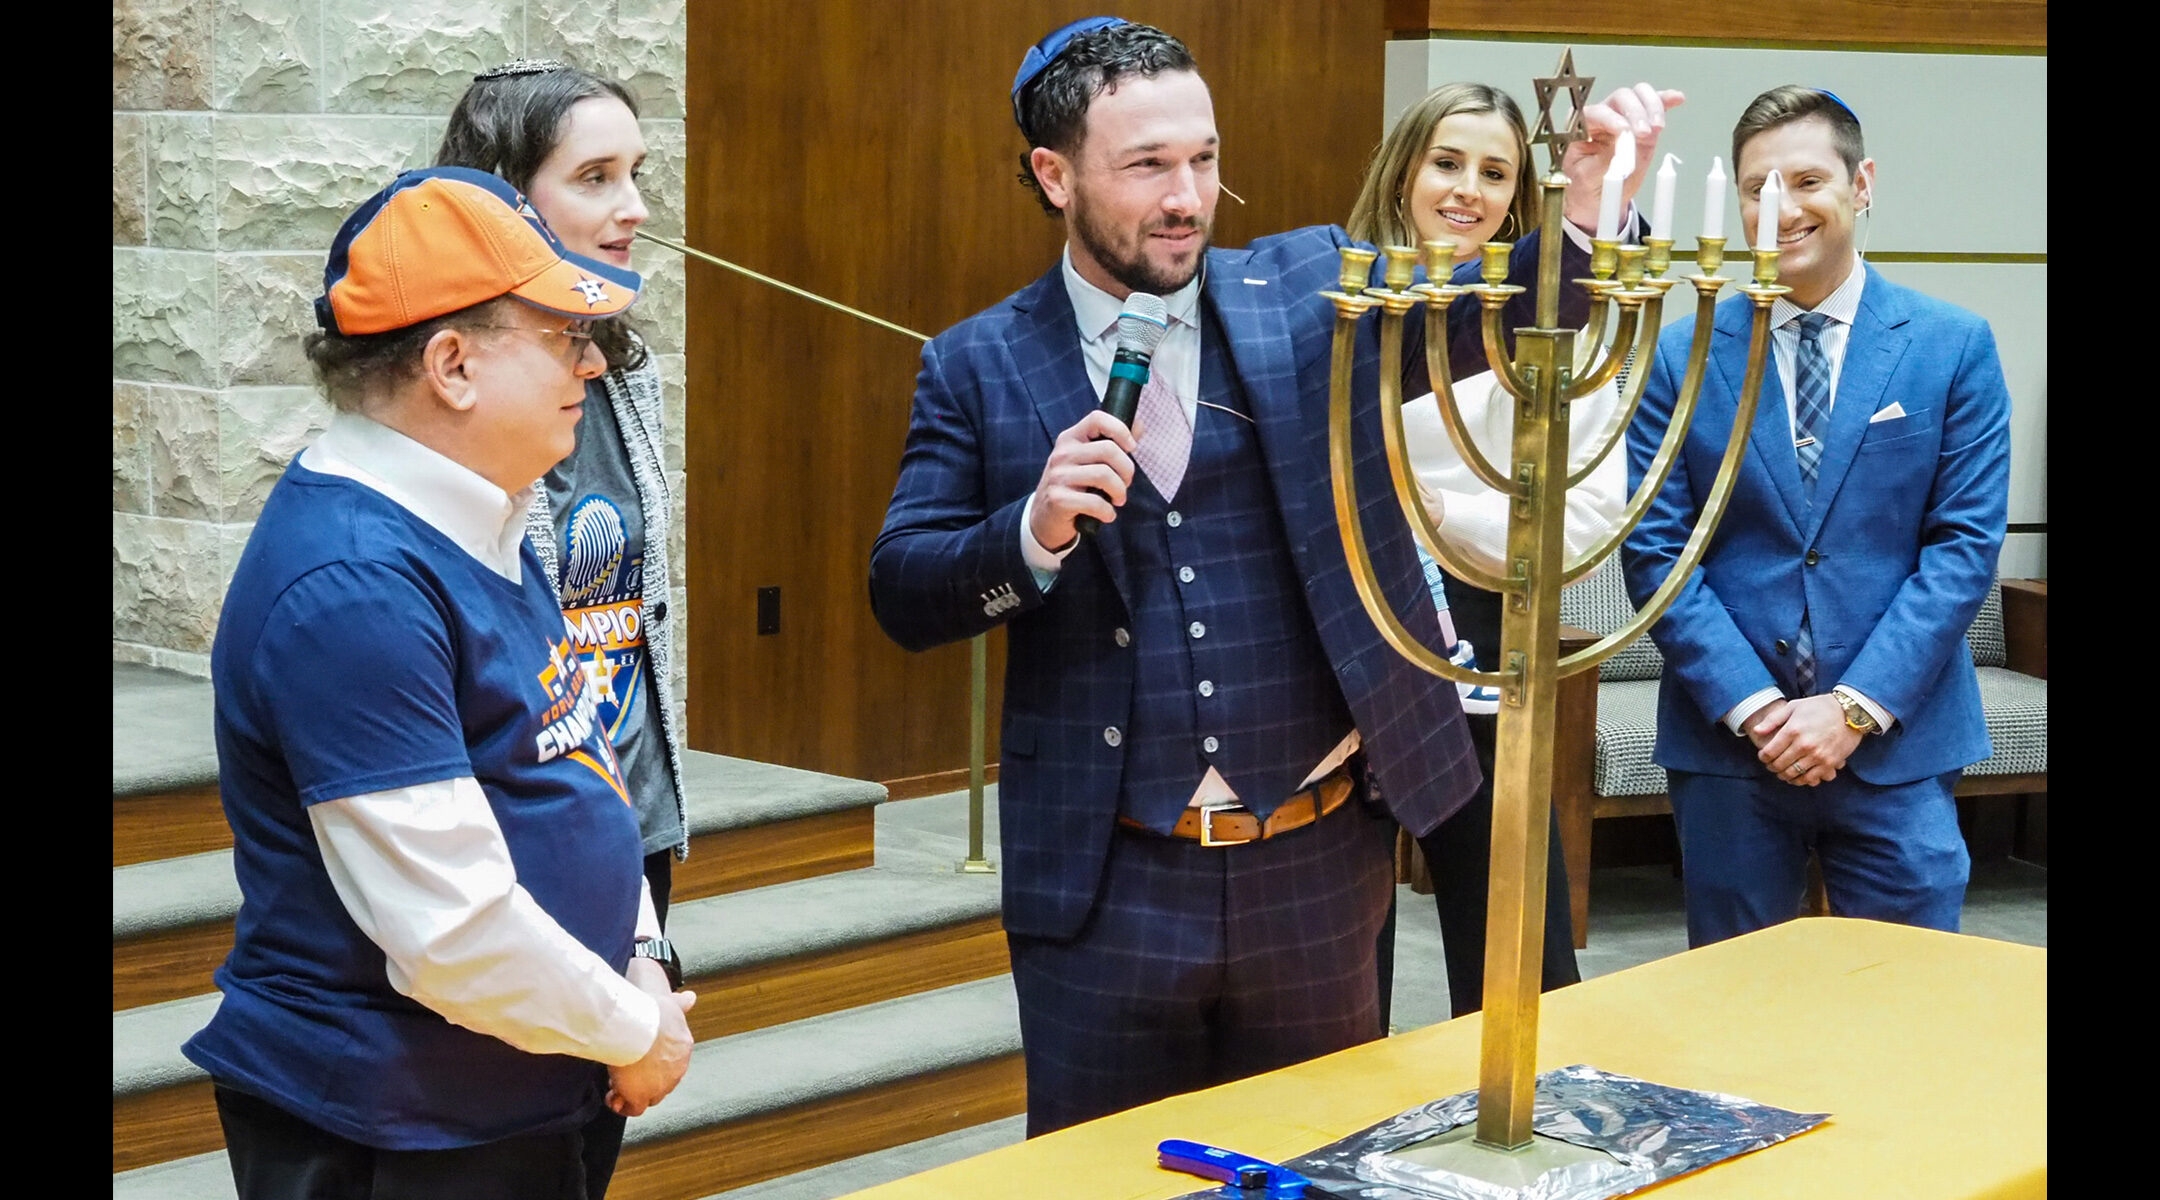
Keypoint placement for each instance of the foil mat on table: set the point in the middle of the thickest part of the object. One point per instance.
(1652, 1132)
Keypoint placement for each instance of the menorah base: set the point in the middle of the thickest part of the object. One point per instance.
(1597, 1135)
(1531, 1170)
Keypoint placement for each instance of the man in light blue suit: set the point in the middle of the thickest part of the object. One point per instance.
(1818, 690)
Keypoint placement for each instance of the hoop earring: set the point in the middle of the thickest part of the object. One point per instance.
(1401, 222)
(1507, 227)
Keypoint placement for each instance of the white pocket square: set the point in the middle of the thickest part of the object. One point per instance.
(1891, 413)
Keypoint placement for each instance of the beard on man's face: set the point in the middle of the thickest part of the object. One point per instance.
(1128, 264)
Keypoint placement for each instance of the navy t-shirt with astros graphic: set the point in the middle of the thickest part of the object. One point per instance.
(361, 650)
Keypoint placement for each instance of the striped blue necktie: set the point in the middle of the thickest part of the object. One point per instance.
(1811, 418)
(1811, 394)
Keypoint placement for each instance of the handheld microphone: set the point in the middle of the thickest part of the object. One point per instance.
(1140, 329)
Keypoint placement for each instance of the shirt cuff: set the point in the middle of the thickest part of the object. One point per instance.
(1882, 717)
(1043, 563)
(1746, 708)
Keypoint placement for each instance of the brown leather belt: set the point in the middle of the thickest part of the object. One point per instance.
(1233, 824)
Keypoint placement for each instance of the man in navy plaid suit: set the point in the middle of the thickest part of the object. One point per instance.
(1200, 719)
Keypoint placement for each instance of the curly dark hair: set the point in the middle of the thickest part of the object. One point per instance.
(508, 125)
(1053, 107)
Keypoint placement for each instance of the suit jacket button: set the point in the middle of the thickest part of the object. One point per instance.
(1211, 745)
(1813, 557)
(1112, 737)
(1122, 638)
(1782, 646)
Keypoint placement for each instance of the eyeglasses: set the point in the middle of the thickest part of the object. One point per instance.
(576, 331)
(579, 335)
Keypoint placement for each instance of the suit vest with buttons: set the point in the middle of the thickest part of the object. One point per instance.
(1230, 672)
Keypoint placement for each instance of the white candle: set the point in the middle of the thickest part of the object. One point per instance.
(1767, 210)
(1661, 204)
(1623, 165)
(1713, 205)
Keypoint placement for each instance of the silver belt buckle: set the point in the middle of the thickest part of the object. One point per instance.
(1207, 823)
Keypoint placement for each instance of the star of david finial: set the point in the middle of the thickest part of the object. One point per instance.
(1578, 89)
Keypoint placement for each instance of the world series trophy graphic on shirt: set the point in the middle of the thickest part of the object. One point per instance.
(1551, 368)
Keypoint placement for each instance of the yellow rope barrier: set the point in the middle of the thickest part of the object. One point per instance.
(717, 261)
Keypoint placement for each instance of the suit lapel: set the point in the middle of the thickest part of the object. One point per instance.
(1872, 350)
(1045, 333)
(1770, 446)
(1257, 341)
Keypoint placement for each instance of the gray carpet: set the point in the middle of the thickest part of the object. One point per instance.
(161, 731)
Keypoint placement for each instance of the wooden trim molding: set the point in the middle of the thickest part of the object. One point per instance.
(2019, 25)
(169, 1123)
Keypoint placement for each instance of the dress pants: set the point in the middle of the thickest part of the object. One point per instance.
(1200, 965)
(278, 1156)
(1889, 853)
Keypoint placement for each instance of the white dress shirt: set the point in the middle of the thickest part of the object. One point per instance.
(1471, 517)
(1841, 306)
(424, 870)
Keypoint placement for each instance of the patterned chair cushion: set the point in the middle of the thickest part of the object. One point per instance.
(2016, 723)
(1598, 602)
(1986, 635)
(1626, 731)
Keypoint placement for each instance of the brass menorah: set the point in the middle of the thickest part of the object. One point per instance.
(1550, 368)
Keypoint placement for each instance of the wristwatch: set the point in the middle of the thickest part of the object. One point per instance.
(661, 951)
(1857, 717)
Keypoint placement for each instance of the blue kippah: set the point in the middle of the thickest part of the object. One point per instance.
(1042, 53)
(1839, 101)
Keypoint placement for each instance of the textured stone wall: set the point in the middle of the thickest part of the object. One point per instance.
(243, 132)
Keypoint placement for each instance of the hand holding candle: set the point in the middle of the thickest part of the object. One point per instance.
(1767, 209)
(1713, 205)
(1661, 203)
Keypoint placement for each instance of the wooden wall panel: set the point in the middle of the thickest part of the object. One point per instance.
(866, 151)
(2006, 24)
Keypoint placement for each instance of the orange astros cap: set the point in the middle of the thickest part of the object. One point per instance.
(447, 238)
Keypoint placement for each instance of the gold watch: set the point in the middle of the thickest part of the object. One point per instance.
(1857, 717)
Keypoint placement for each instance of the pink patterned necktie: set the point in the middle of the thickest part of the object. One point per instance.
(1165, 437)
